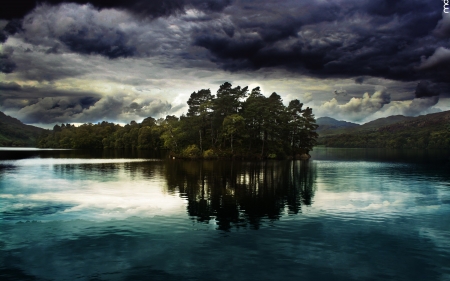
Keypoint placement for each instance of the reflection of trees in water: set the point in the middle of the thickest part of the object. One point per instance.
(241, 193)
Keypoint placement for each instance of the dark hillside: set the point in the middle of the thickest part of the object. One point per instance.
(15, 133)
(426, 131)
(327, 123)
(369, 126)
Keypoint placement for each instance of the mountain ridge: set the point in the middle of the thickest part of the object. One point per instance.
(424, 131)
(15, 133)
(329, 123)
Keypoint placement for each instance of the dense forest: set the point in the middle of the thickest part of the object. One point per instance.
(235, 122)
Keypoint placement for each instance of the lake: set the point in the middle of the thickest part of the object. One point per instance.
(346, 214)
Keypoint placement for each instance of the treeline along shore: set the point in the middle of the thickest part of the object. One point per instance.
(235, 123)
(431, 131)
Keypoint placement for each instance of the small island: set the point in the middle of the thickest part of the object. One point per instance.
(235, 123)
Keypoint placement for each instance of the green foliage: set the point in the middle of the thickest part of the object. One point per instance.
(233, 123)
(192, 151)
(209, 154)
(432, 138)
(234, 130)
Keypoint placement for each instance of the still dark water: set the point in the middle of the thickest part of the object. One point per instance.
(347, 214)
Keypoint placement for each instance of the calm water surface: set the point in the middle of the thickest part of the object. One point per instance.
(347, 214)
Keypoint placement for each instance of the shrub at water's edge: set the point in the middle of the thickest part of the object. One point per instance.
(234, 123)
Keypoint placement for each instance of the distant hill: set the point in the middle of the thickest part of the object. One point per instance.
(385, 121)
(425, 131)
(328, 123)
(15, 133)
(353, 128)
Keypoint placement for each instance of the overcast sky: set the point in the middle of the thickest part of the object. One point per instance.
(123, 60)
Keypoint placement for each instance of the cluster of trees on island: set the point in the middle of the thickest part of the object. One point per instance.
(235, 122)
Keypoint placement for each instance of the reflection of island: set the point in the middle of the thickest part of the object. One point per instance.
(241, 193)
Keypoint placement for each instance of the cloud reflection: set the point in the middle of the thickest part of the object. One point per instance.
(85, 188)
(68, 161)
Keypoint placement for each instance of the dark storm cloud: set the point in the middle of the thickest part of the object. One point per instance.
(359, 80)
(54, 49)
(72, 28)
(3, 36)
(417, 17)
(42, 105)
(443, 28)
(373, 38)
(147, 108)
(381, 38)
(47, 105)
(11, 92)
(426, 96)
(34, 105)
(419, 105)
(438, 61)
(16, 9)
(10, 86)
(426, 89)
(11, 28)
(152, 8)
(94, 33)
(41, 72)
(160, 8)
(111, 44)
(7, 65)
(55, 109)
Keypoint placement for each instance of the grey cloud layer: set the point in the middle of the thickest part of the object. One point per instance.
(344, 39)
(87, 109)
(144, 8)
(48, 105)
(110, 33)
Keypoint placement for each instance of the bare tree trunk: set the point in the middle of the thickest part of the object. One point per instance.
(231, 143)
(212, 134)
(171, 134)
(200, 132)
(264, 141)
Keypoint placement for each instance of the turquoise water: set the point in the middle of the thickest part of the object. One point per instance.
(346, 214)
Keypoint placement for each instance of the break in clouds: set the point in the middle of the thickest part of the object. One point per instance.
(379, 104)
(47, 106)
(393, 56)
(86, 109)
